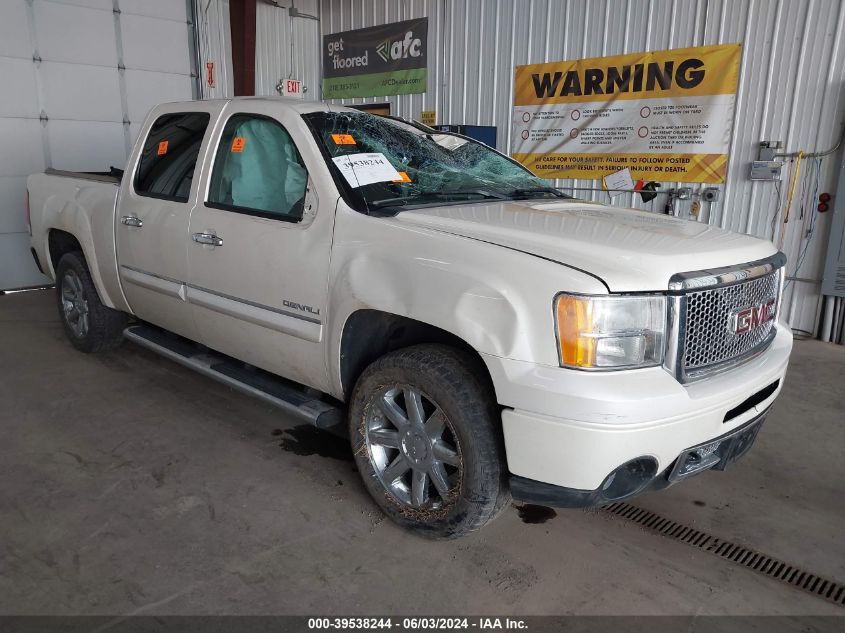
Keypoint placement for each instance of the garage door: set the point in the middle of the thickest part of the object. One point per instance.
(77, 78)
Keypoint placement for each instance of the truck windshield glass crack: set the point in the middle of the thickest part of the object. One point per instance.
(434, 168)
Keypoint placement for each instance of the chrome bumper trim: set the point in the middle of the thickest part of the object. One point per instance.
(705, 279)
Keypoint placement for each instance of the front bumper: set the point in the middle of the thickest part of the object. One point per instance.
(572, 429)
(713, 455)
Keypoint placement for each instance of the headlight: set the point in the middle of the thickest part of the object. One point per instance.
(610, 332)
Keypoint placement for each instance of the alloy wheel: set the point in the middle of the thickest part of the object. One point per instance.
(74, 304)
(413, 448)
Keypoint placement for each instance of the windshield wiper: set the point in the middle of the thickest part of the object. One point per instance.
(528, 192)
(473, 192)
(437, 195)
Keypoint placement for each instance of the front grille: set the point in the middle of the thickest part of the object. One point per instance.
(709, 338)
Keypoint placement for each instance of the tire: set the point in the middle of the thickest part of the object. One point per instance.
(90, 326)
(450, 474)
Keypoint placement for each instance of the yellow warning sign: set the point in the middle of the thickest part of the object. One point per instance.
(428, 117)
(665, 115)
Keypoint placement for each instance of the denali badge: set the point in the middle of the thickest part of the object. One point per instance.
(743, 320)
(300, 306)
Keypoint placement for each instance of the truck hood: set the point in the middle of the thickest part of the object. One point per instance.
(629, 250)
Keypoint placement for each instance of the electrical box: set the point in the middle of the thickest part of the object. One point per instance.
(768, 149)
(765, 169)
(711, 194)
(484, 133)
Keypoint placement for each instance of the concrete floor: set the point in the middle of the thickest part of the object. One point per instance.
(130, 485)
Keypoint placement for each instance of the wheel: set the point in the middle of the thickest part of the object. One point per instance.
(90, 326)
(425, 434)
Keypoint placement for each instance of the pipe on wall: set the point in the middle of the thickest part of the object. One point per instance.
(827, 320)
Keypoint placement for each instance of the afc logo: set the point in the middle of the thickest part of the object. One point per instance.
(744, 320)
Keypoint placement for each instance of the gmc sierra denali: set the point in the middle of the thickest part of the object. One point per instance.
(479, 334)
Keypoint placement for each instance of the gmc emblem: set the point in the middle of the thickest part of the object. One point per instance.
(744, 320)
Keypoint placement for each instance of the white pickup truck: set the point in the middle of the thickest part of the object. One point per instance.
(480, 335)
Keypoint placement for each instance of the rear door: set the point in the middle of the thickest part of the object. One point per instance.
(260, 244)
(153, 215)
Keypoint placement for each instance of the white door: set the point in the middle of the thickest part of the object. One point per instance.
(78, 78)
(154, 211)
(259, 255)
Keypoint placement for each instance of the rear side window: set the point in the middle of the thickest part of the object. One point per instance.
(169, 157)
(258, 170)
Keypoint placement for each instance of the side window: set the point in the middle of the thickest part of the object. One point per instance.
(258, 170)
(169, 157)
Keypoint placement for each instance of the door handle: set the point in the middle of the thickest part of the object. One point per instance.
(131, 220)
(207, 238)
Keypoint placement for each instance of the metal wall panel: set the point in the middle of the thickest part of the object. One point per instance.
(287, 47)
(215, 44)
(792, 88)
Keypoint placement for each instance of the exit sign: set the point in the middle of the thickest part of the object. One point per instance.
(291, 88)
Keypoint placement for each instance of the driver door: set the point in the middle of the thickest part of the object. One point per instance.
(258, 252)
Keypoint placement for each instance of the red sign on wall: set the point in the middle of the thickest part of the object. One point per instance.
(292, 88)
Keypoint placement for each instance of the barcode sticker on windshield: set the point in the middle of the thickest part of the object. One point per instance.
(365, 169)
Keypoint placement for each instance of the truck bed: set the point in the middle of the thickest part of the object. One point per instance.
(82, 206)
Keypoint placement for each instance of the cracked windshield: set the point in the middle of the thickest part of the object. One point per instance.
(386, 164)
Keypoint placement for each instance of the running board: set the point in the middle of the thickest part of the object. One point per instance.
(282, 394)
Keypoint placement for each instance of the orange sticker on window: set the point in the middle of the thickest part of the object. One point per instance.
(403, 177)
(343, 139)
(162, 148)
(238, 144)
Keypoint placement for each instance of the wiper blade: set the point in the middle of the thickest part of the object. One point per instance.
(391, 202)
(436, 195)
(473, 192)
(529, 191)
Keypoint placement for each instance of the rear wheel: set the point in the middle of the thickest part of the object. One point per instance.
(424, 430)
(89, 325)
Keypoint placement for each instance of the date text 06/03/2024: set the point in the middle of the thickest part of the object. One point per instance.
(416, 623)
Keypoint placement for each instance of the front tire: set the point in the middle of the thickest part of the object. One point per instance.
(89, 325)
(425, 434)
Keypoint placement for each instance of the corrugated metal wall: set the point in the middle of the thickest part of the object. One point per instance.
(792, 85)
(287, 47)
(284, 46)
(215, 43)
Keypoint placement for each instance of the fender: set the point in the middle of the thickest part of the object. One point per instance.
(497, 300)
(87, 215)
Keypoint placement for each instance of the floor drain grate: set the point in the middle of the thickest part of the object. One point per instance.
(761, 563)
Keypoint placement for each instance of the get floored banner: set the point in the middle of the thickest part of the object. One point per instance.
(377, 61)
(665, 115)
